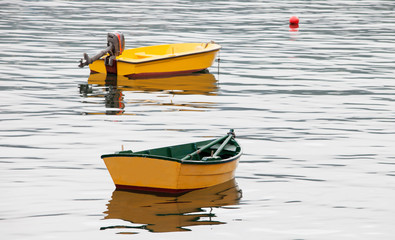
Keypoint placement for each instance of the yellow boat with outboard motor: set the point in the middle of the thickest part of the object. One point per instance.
(149, 61)
(175, 169)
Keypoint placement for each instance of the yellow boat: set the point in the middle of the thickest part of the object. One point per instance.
(160, 60)
(174, 169)
(170, 213)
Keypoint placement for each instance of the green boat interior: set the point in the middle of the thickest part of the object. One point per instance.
(198, 151)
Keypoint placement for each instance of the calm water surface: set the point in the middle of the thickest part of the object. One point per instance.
(313, 108)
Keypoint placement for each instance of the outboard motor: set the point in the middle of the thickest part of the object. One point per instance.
(115, 47)
(117, 41)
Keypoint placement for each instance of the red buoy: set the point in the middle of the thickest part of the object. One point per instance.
(294, 20)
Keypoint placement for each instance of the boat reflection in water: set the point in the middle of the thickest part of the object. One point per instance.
(170, 213)
(114, 87)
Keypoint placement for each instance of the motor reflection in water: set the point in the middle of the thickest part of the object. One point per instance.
(113, 88)
(170, 213)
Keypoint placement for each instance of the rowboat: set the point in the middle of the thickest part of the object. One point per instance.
(168, 212)
(178, 168)
(148, 61)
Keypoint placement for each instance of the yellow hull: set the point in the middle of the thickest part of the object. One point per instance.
(178, 168)
(160, 60)
(154, 174)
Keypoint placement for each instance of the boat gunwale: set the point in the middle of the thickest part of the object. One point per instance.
(198, 162)
(167, 57)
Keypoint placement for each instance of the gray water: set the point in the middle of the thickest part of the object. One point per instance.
(312, 107)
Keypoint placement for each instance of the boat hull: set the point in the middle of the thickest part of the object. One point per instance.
(155, 61)
(162, 175)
